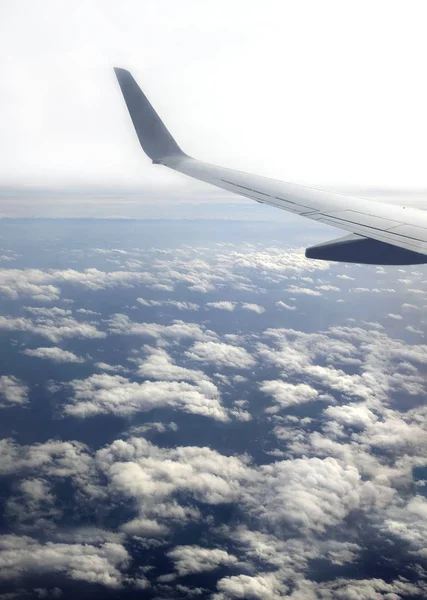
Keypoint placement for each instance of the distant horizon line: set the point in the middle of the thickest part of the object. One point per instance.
(116, 190)
(123, 218)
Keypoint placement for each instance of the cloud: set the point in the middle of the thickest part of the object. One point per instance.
(195, 559)
(272, 260)
(257, 587)
(86, 311)
(33, 506)
(253, 307)
(8, 257)
(288, 556)
(51, 458)
(45, 285)
(51, 313)
(308, 494)
(294, 289)
(287, 394)
(375, 356)
(121, 324)
(16, 283)
(406, 522)
(141, 527)
(222, 305)
(321, 465)
(305, 495)
(395, 436)
(412, 329)
(364, 290)
(55, 329)
(406, 306)
(339, 381)
(114, 394)
(180, 305)
(87, 534)
(328, 288)
(56, 355)
(152, 426)
(12, 391)
(281, 304)
(94, 279)
(229, 266)
(111, 368)
(352, 415)
(361, 589)
(292, 503)
(220, 354)
(102, 564)
(159, 365)
(153, 476)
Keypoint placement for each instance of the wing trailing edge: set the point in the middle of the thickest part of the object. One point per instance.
(355, 248)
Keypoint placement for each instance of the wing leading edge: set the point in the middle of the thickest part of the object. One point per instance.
(382, 233)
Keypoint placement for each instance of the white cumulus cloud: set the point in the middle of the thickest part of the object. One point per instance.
(12, 391)
(56, 355)
(221, 354)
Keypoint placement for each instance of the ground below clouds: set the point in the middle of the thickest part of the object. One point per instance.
(194, 410)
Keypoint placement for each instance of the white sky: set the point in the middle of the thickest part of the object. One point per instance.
(330, 93)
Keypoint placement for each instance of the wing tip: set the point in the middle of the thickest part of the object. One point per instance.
(122, 73)
(154, 137)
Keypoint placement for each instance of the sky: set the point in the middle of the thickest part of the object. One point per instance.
(330, 93)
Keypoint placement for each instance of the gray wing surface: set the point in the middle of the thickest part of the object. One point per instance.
(381, 233)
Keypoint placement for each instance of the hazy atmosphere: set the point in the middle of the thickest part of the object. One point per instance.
(190, 408)
(327, 93)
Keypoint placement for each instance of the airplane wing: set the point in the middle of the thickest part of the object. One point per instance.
(380, 233)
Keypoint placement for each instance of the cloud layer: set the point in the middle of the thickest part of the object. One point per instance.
(200, 391)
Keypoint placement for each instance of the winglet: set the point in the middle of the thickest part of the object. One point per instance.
(155, 139)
